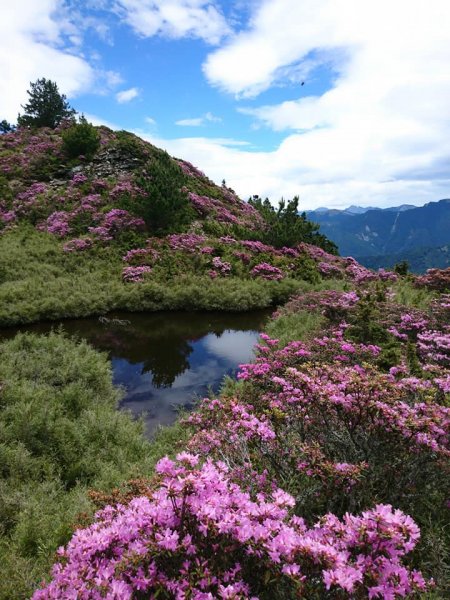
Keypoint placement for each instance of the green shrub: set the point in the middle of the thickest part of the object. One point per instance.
(287, 227)
(130, 145)
(164, 204)
(40, 281)
(80, 139)
(60, 435)
(409, 295)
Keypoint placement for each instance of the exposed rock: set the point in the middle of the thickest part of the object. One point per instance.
(112, 161)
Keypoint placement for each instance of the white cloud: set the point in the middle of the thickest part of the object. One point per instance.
(380, 134)
(278, 174)
(127, 95)
(174, 18)
(199, 121)
(195, 122)
(96, 120)
(32, 45)
(232, 346)
(150, 121)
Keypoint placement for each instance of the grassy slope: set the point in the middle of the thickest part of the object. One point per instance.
(39, 281)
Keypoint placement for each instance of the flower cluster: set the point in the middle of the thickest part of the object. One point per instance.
(78, 179)
(224, 268)
(227, 209)
(190, 170)
(117, 220)
(199, 535)
(435, 279)
(138, 255)
(336, 306)
(77, 245)
(185, 242)
(135, 274)
(267, 271)
(58, 223)
(29, 152)
(347, 268)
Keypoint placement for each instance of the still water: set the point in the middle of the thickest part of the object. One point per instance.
(165, 360)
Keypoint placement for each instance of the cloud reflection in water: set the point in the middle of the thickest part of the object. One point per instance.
(212, 357)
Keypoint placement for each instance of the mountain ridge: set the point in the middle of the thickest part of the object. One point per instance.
(390, 231)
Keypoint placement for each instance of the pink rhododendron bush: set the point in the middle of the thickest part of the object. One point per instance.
(227, 256)
(222, 257)
(323, 473)
(199, 535)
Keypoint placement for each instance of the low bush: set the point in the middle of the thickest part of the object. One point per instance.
(81, 139)
(60, 435)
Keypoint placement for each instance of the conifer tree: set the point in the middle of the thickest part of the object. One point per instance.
(5, 126)
(46, 107)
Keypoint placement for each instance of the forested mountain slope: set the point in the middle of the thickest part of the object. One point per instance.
(377, 232)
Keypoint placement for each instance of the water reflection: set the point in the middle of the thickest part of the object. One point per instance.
(164, 360)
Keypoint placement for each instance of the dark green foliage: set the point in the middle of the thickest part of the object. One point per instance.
(163, 205)
(286, 227)
(401, 268)
(413, 360)
(6, 127)
(5, 190)
(80, 139)
(366, 329)
(306, 269)
(46, 107)
(130, 145)
(389, 356)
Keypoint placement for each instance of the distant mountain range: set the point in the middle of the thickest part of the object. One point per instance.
(359, 210)
(381, 237)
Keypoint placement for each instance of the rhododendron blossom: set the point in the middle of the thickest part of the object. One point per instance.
(198, 534)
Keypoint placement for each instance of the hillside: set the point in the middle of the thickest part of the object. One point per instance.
(392, 231)
(129, 227)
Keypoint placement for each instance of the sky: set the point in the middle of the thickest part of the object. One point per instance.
(337, 101)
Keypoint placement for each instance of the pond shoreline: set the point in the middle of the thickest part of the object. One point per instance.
(164, 361)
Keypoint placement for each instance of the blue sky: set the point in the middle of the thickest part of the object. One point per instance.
(219, 83)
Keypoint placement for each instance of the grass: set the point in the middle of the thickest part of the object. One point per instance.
(409, 295)
(60, 435)
(288, 326)
(295, 326)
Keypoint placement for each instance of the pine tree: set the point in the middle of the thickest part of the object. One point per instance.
(46, 106)
(6, 127)
(287, 227)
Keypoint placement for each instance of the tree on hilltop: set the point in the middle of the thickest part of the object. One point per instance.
(46, 107)
(6, 127)
(286, 226)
